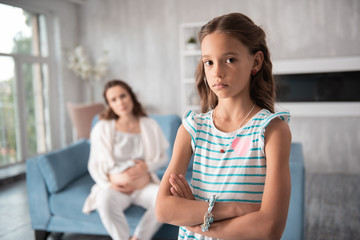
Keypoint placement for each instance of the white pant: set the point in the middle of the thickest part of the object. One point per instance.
(111, 205)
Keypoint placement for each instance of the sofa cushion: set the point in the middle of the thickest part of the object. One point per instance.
(68, 204)
(63, 166)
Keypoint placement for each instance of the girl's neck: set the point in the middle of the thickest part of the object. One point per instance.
(229, 116)
(232, 110)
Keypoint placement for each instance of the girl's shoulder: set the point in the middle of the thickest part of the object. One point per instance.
(193, 122)
(196, 118)
(264, 117)
(261, 121)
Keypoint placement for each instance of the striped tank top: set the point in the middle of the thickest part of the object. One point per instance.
(230, 165)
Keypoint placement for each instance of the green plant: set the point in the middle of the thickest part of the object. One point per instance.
(191, 40)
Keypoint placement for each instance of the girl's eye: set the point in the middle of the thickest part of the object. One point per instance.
(208, 63)
(230, 60)
(123, 96)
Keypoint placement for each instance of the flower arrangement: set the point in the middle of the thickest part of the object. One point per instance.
(81, 66)
(79, 63)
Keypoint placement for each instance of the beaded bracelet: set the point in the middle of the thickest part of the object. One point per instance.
(209, 217)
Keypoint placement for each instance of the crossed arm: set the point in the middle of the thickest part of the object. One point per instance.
(176, 205)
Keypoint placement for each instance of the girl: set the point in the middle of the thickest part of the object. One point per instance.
(240, 187)
(127, 148)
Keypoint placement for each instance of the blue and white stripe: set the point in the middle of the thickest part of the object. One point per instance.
(230, 176)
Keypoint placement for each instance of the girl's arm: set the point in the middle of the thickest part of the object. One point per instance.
(269, 222)
(188, 212)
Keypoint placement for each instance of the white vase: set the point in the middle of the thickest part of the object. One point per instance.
(90, 82)
(191, 46)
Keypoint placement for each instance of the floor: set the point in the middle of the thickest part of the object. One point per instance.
(332, 206)
(332, 210)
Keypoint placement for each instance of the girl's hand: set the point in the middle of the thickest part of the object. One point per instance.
(195, 229)
(180, 187)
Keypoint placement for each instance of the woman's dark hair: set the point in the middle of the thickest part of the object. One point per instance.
(108, 113)
(242, 28)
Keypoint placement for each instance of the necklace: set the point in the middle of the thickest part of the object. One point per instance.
(222, 150)
(128, 127)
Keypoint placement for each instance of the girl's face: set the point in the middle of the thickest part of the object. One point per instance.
(119, 101)
(228, 64)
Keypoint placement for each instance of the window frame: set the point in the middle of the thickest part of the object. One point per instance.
(54, 85)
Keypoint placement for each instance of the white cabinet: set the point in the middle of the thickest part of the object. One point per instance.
(189, 59)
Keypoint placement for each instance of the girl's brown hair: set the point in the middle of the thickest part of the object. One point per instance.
(108, 113)
(262, 84)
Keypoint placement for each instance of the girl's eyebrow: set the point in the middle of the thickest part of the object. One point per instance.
(225, 54)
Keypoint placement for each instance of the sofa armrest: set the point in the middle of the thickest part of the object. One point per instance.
(38, 195)
(63, 166)
(295, 223)
(50, 173)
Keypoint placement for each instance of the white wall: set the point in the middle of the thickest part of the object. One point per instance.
(143, 40)
(142, 36)
(330, 144)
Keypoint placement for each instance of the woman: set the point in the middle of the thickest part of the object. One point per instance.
(127, 147)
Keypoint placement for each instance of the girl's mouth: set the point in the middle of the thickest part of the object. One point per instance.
(219, 86)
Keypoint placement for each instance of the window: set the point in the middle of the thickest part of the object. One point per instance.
(24, 85)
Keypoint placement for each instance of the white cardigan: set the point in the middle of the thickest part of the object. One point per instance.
(101, 159)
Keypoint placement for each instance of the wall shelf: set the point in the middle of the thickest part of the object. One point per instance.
(189, 58)
(316, 65)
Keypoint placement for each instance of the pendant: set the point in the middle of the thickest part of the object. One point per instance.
(222, 150)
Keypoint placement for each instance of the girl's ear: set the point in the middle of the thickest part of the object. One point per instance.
(258, 60)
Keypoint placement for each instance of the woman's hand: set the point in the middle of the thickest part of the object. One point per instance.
(126, 189)
(139, 170)
(180, 187)
(132, 179)
(121, 182)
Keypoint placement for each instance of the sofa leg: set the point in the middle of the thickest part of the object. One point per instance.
(41, 235)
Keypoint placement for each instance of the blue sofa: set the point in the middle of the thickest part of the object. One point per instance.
(58, 183)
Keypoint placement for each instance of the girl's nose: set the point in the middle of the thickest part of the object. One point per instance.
(218, 71)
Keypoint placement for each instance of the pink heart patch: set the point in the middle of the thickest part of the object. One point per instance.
(241, 146)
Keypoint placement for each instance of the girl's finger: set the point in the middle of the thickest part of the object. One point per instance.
(185, 183)
(187, 191)
(173, 192)
(176, 186)
(180, 183)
